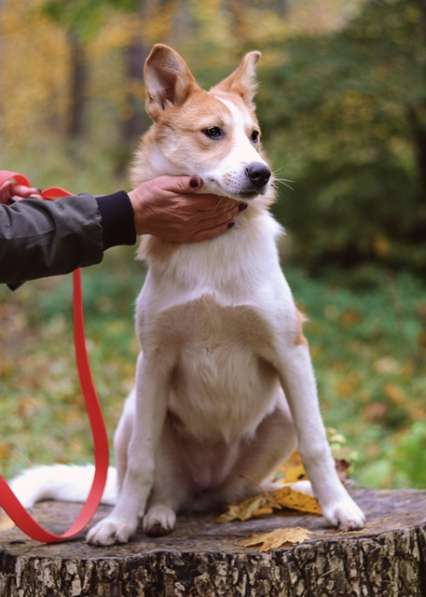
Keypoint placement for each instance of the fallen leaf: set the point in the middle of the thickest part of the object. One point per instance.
(292, 470)
(250, 508)
(276, 538)
(375, 411)
(266, 503)
(5, 450)
(397, 395)
(386, 364)
(295, 500)
(347, 385)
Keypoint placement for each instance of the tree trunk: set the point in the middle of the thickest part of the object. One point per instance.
(420, 140)
(134, 120)
(417, 118)
(204, 558)
(77, 87)
(239, 25)
(417, 114)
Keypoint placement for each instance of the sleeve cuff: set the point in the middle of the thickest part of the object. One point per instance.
(117, 219)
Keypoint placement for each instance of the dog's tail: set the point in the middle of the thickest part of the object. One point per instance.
(69, 483)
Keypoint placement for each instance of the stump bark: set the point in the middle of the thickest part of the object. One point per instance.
(204, 558)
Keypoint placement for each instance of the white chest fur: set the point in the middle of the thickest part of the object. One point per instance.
(215, 305)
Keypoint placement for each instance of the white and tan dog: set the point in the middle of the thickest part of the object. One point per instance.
(225, 388)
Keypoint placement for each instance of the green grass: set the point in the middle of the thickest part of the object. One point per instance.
(366, 333)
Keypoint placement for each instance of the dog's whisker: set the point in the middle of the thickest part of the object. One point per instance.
(283, 178)
(279, 169)
(278, 182)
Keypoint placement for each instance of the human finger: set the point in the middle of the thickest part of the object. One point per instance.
(6, 191)
(179, 184)
(209, 202)
(210, 219)
(24, 191)
(210, 233)
(7, 183)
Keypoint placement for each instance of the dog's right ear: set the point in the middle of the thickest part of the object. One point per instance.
(168, 80)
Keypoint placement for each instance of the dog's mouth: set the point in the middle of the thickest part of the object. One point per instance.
(252, 192)
(246, 193)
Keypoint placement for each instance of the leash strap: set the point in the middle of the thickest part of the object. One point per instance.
(8, 500)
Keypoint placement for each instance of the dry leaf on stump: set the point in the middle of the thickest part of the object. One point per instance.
(295, 500)
(250, 508)
(266, 503)
(276, 538)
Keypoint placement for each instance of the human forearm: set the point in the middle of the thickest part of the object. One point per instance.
(42, 238)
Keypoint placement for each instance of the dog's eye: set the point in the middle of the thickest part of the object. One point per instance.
(255, 136)
(214, 132)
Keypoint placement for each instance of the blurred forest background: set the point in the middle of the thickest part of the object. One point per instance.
(342, 103)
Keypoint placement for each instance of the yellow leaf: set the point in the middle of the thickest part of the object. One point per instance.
(294, 473)
(266, 503)
(250, 508)
(276, 538)
(296, 500)
(292, 470)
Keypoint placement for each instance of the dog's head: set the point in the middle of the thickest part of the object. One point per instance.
(214, 133)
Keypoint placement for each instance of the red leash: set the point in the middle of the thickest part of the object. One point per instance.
(8, 500)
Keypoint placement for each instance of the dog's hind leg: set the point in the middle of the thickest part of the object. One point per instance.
(260, 456)
(171, 486)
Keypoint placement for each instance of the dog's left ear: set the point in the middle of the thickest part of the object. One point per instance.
(242, 80)
(168, 80)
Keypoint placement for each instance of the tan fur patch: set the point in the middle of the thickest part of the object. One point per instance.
(300, 338)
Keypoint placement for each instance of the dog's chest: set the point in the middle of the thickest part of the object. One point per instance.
(205, 322)
(221, 388)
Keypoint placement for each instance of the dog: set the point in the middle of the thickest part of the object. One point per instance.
(225, 388)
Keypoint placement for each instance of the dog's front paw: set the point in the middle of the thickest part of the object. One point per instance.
(111, 530)
(345, 514)
(159, 520)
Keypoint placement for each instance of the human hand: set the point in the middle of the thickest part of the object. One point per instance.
(10, 191)
(168, 208)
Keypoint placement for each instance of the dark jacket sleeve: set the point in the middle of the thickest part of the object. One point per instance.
(45, 238)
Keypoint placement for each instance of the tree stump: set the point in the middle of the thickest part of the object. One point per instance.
(204, 558)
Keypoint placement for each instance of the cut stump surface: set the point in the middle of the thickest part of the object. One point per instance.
(204, 558)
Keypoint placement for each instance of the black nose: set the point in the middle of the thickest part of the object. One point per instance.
(258, 174)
